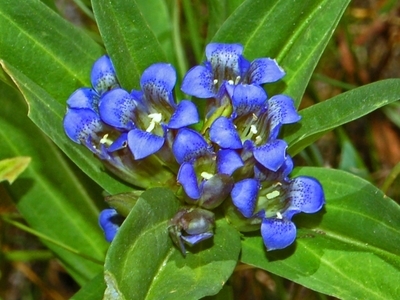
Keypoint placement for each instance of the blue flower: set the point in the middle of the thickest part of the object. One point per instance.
(204, 175)
(274, 198)
(147, 115)
(110, 221)
(226, 65)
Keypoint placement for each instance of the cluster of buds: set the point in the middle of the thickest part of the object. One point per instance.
(235, 157)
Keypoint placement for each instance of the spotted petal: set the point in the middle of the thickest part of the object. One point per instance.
(117, 108)
(199, 82)
(84, 98)
(264, 70)
(271, 155)
(188, 145)
(264, 174)
(143, 143)
(225, 60)
(110, 221)
(281, 111)
(103, 75)
(244, 196)
(80, 124)
(224, 134)
(157, 83)
(277, 233)
(185, 114)
(248, 99)
(187, 178)
(305, 194)
(228, 161)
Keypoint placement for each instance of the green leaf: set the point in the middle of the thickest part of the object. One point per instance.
(48, 115)
(325, 116)
(11, 168)
(93, 290)
(129, 41)
(46, 48)
(48, 193)
(349, 250)
(142, 262)
(294, 32)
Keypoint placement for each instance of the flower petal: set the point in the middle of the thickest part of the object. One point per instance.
(244, 196)
(248, 99)
(184, 115)
(277, 233)
(306, 195)
(188, 145)
(281, 110)
(110, 221)
(103, 75)
(157, 83)
(199, 82)
(120, 143)
(79, 124)
(271, 155)
(215, 190)
(224, 134)
(194, 239)
(264, 174)
(228, 161)
(143, 143)
(264, 70)
(188, 179)
(117, 108)
(84, 98)
(225, 60)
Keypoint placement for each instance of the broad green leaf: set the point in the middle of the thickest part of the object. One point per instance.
(294, 32)
(48, 115)
(48, 193)
(129, 41)
(325, 116)
(218, 12)
(349, 250)
(93, 290)
(142, 262)
(47, 49)
(11, 168)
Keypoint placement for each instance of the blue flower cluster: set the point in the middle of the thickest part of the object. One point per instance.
(146, 138)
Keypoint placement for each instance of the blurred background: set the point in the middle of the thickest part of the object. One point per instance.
(365, 48)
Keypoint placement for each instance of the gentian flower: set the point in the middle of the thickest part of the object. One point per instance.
(226, 65)
(147, 115)
(274, 198)
(84, 124)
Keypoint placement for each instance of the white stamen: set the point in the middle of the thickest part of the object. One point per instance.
(253, 129)
(279, 215)
(104, 139)
(230, 82)
(255, 118)
(237, 80)
(206, 175)
(258, 140)
(155, 119)
(272, 195)
(215, 81)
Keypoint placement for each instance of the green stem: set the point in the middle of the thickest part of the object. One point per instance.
(44, 237)
(193, 28)
(391, 177)
(177, 40)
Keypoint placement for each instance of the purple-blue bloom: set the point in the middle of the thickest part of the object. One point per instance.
(276, 198)
(226, 65)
